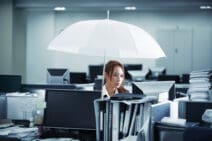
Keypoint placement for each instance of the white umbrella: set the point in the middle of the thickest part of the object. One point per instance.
(107, 38)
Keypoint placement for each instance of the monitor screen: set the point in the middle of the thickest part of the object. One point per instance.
(128, 67)
(98, 84)
(10, 83)
(94, 71)
(70, 109)
(78, 77)
(58, 76)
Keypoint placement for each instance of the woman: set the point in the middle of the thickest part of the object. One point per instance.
(114, 78)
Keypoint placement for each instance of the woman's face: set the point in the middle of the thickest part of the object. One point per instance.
(117, 77)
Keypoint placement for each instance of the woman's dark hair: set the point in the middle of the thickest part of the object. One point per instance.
(109, 68)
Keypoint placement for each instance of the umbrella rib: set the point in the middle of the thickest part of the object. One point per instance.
(131, 36)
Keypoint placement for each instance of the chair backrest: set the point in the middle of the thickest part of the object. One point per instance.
(197, 134)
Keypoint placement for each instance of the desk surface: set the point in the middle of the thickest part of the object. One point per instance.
(88, 86)
(186, 86)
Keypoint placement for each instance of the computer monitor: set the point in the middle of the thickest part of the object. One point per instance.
(185, 78)
(163, 90)
(10, 83)
(136, 89)
(78, 77)
(128, 67)
(70, 109)
(98, 84)
(154, 72)
(58, 76)
(94, 71)
(169, 77)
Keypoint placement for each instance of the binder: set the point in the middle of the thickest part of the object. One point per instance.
(101, 117)
(133, 119)
(123, 119)
(139, 118)
(97, 118)
(115, 121)
(127, 120)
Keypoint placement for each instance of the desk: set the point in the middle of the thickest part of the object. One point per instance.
(32, 87)
(39, 134)
(68, 134)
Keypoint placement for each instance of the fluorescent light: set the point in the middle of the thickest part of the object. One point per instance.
(130, 8)
(59, 8)
(205, 7)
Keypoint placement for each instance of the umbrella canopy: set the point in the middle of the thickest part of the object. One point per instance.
(107, 38)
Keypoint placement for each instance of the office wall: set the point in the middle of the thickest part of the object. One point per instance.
(19, 43)
(6, 20)
(39, 31)
(202, 47)
(178, 33)
(185, 37)
(42, 27)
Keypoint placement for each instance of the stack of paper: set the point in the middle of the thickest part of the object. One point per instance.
(5, 123)
(25, 134)
(200, 85)
(174, 121)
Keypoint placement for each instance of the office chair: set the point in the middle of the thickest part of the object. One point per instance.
(197, 134)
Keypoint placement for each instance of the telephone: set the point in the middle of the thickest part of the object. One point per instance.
(207, 116)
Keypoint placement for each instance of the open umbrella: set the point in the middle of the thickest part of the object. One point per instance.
(107, 38)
